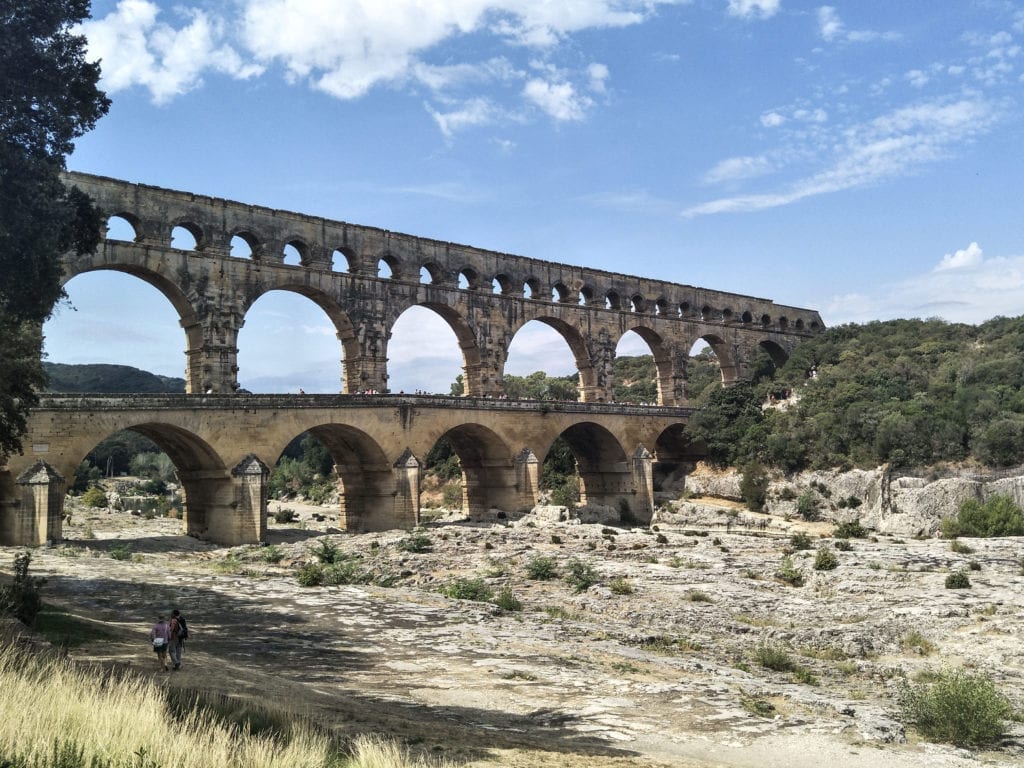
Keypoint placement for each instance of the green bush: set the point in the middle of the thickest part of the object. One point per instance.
(825, 560)
(807, 506)
(451, 495)
(21, 597)
(850, 530)
(799, 541)
(507, 601)
(285, 516)
(958, 580)
(121, 552)
(272, 554)
(774, 657)
(959, 708)
(581, 576)
(789, 573)
(310, 575)
(94, 497)
(326, 552)
(843, 545)
(416, 542)
(621, 586)
(960, 548)
(541, 568)
(566, 494)
(754, 485)
(999, 516)
(468, 589)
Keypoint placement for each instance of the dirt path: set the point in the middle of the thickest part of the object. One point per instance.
(647, 678)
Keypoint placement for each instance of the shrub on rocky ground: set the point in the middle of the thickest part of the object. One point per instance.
(958, 580)
(415, 542)
(790, 573)
(541, 568)
(799, 541)
(850, 530)
(825, 560)
(507, 601)
(468, 589)
(581, 576)
(958, 708)
(286, 515)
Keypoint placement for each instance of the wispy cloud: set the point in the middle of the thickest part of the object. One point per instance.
(888, 146)
(832, 29)
(735, 168)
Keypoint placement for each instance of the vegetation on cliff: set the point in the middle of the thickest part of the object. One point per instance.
(906, 392)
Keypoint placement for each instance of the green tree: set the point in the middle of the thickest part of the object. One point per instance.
(50, 97)
(754, 486)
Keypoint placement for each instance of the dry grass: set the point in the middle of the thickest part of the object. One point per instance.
(116, 718)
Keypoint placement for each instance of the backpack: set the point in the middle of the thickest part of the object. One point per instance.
(182, 628)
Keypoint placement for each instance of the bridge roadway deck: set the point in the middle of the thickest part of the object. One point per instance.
(223, 445)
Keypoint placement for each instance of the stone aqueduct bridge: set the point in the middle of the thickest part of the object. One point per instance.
(222, 441)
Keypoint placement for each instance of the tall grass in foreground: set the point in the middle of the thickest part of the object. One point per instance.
(54, 714)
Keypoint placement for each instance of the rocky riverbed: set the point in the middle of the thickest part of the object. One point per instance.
(658, 662)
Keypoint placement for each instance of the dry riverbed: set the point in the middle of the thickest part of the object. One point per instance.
(655, 665)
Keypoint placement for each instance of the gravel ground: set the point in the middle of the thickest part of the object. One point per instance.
(655, 664)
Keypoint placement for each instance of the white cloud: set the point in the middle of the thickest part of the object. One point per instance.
(746, 9)
(917, 78)
(966, 257)
(891, 145)
(475, 112)
(346, 48)
(598, 75)
(831, 28)
(135, 49)
(734, 168)
(772, 119)
(559, 100)
(829, 25)
(971, 291)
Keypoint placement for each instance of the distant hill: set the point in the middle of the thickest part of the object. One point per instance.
(116, 379)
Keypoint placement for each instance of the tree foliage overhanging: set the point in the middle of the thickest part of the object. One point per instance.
(50, 98)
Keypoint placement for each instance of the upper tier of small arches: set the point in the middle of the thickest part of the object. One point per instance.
(223, 228)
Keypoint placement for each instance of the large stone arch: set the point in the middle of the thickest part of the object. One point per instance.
(675, 455)
(727, 357)
(588, 380)
(605, 468)
(669, 377)
(776, 351)
(369, 498)
(489, 471)
(466, 337)
(183, 301)
(212, 508)
(351, 360)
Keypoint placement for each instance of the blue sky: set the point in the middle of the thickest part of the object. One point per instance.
(862, 158)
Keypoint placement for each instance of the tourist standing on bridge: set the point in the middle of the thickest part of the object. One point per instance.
(160, 636)
(178, 635)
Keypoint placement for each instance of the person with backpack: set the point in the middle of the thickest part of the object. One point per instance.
(160, 636)
(178, 636)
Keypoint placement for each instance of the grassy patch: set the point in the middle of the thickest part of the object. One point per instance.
(67, 631)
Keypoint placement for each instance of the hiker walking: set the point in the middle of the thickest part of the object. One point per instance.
(160, 636)
(178, 636)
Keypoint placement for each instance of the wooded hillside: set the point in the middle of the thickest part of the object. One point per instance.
(908, 392)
